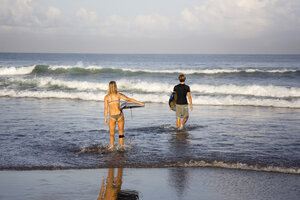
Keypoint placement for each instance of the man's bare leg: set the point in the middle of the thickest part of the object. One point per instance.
(182, 123)
(178, 122)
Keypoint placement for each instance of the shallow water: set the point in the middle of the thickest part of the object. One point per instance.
(53, 134)
(246, 112)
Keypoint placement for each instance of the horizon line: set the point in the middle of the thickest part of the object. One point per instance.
(150, 53)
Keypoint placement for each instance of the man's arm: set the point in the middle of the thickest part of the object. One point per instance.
(190, 100)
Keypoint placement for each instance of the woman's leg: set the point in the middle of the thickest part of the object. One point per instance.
(112, 127)
(121, 130)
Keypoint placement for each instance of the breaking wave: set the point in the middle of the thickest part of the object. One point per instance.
(153, 87)
(227, 100)
(48, 85)
(87, 96)
(239, 166)
(79, 69)
(13, 71)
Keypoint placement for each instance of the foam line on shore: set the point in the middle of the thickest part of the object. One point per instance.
(239, 166)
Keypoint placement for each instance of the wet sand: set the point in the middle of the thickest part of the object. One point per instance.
(148, 183)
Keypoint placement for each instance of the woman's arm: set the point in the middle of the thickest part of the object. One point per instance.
(105, 109)
(130, 99)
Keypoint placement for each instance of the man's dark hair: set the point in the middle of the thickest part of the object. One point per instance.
(181, 77)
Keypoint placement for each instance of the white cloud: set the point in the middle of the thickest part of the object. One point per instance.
(27, 14)
(239, 18)
(151, 22)
(147, 26)
(115, 25)
(53, 12)
(211, 24)
(89, 16)
(115, 20)
(18, 12)
(190, 18)
(32, 16)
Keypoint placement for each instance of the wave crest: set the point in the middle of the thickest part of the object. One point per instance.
(12, 71)
(241, 166)
(82, 70)
(154, 87)
(154, 98)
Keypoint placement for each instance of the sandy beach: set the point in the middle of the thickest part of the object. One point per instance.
(148, 183)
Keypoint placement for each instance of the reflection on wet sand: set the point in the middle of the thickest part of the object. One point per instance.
(111, 188)
(178, 177)
(180, 144)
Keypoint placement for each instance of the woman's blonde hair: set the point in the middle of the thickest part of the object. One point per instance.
(112, 87)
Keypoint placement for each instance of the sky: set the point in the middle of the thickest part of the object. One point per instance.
(156, 26)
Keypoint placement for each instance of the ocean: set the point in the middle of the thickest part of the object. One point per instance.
(246, 111)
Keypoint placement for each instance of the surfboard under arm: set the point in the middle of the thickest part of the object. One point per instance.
(127, 105)
(172, 101)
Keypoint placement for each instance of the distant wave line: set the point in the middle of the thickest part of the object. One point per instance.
(153, 87)
(79, 69)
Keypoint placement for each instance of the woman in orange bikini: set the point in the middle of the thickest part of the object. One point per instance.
(112, 101)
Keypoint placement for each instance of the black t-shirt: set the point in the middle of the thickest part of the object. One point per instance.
(181, 90)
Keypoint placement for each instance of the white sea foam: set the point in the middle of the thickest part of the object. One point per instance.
(77, 65)
(103, 148)
(160, 87)
(11, 71)
(207, 71)
(50, 82)
(241, 166)
(251, 90)
(155, 98)
(87, 96)
(4, 71)
(230, 100)
(270, 71)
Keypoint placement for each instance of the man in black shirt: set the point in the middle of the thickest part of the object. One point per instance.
(182, 90)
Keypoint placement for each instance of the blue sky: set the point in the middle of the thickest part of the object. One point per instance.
(157, 26)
